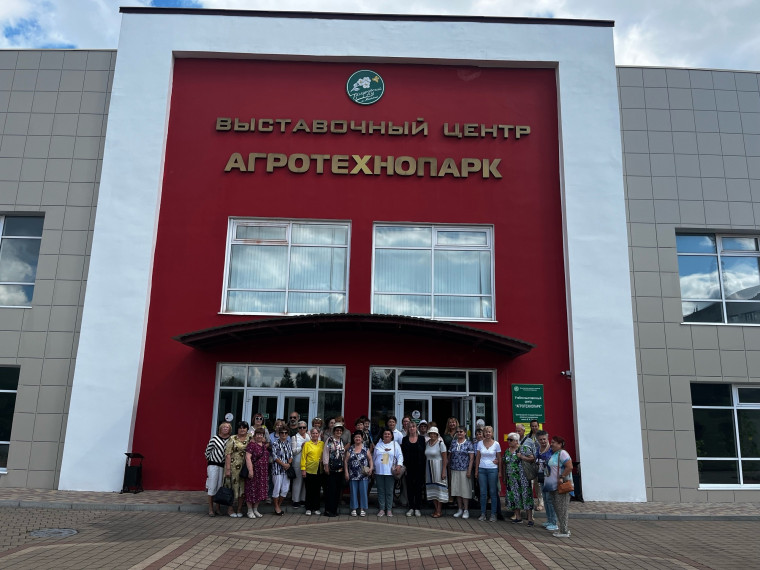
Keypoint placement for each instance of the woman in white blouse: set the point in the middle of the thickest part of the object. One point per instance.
(387, 461)
(299, 489)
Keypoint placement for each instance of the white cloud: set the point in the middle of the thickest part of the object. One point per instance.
(694, 33)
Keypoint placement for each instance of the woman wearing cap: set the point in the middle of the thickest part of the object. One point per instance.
(387, 461)
(296, 443)
(413, 449)
(215, 464)
(333, 458)
(234, 456)
(423, 429)
(257, 461)
(282, 455)
(519, 492)
(462, 454)
(436, 481)
(488, 472)
(311, 457)
(358, 469)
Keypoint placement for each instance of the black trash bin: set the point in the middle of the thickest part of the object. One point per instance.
(133, 473)
(577, 486)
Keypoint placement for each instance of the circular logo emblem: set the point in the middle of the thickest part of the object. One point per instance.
(228, 417)
(416, 415)
(516, 388)
(365, 87)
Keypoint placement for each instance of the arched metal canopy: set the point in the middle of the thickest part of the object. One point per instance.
(324, 323)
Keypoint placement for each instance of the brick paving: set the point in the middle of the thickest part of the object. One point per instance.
(170, 529)
(159, 539)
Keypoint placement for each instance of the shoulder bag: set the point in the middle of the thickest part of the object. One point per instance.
(563, 486)
(397, 473)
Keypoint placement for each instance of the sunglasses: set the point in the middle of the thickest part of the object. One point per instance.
(301, 427)
(258, 418)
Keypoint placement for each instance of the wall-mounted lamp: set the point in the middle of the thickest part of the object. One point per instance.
(567, 373)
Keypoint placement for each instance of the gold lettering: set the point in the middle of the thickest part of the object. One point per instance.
(294, 158)
(276, 160)
(361, 164)
(339, 164)
(235, 161)
(455, 133)
(411, 165)
(470, 165)
(432, 162)
(521, 130)
(301, 126)
(380, 163)
(490, 167)
(223, 124)
(320, 160)
(449, 167)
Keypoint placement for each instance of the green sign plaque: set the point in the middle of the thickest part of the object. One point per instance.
(528, 402)
(365, 87)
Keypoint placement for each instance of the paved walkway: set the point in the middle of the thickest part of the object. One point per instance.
(195, 501)
(171, 539)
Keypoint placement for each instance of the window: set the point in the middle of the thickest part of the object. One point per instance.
(727, 433)
(275, 390)
(281, 267)
(439, 272)
(720, 278)
(20, 238)
(8, 387)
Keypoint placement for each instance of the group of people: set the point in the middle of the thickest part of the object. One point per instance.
(260, 465)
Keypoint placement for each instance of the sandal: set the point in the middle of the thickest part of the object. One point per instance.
(436, 515)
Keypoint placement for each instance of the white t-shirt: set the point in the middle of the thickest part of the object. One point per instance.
(488, 455)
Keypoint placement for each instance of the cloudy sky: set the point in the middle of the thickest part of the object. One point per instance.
(721, 34)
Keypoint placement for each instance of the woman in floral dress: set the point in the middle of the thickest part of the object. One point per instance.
(234, 453)
(519, 491)
(358, 469)
(256, 486)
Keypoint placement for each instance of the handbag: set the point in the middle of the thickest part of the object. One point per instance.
(244, 471)
(565, 487)
(224, 496)
(291, 472)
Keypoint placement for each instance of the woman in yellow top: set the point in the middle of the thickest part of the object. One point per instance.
(311, 458)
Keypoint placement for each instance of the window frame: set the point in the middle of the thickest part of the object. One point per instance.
(435, 228)
(4, 470)
(235, 221)
(735, 407)
(3, 217)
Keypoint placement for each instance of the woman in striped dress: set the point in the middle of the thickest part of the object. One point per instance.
(215, 464)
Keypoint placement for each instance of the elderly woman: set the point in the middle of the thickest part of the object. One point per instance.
(258, 422)
(333, 458)
(257, 461)
(358, 469)
(311, 458)
(234, 456)
(282, 455)
(461, 453)
(413, 449)
(296, 443)
(387, 460)
(560, 469)
(215, 464)
(543, 454)
(436, 476)
(519, 491)
(488, 472)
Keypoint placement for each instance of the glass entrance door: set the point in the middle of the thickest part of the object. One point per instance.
(273, 404)
(417, 406)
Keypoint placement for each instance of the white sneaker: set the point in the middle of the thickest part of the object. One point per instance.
(458, 513)
(317, 512)
(308, 513)
(466, 515)
(493, 518)
(257, 514)
(362, 513)
(561, 534)
(389, 513)
(353, 513)
(410, 513)
(482, 517)
(381, 513)
(417, 513)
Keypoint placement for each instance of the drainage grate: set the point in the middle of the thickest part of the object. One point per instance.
(53, 532)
